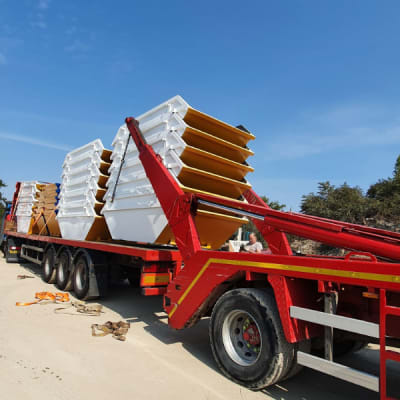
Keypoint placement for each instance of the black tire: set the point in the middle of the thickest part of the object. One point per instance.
(63, 281)
(305, 347)
(133, 276)
(247, 338)
(359, 345)
(48, 266)
(81, 278)
(7, 253)
(345, 347)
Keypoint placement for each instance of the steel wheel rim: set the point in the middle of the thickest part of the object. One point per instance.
(235, 337)
(47, 270)
(81, 276)
(61, 270)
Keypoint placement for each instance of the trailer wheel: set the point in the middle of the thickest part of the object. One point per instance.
(343, 348)
(81, 278)
(8, 258)
(247, 338)
(7, 253)
(3, 247)
(305, 347)
(63, 280)
(48, 266)
(133, 276)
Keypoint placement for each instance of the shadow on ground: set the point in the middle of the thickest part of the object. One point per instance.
(133, 307)
(33, 269)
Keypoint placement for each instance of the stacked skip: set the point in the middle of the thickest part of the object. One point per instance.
(204, 155)
(85, 174)
(44, 211)
(25, 201)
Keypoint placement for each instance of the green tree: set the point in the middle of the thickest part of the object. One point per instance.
(396, 171)
(384, 197)
(250, 227)
(2, 199)
(380, 207)
(275, 205)
(343, 203)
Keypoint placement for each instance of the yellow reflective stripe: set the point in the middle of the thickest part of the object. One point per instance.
(293, 268)
(189, 288)
(157, 278)
(313, 270)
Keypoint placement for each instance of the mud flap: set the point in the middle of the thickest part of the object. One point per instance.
(98, 280)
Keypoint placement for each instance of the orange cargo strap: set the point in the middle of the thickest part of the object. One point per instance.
(54, 297)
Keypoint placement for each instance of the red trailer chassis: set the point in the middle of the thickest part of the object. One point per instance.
(148, 254)
(206, 274)
(360, 292)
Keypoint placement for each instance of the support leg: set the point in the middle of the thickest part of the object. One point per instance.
(330, 304)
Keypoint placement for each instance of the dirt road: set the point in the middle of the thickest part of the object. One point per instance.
(44, 355)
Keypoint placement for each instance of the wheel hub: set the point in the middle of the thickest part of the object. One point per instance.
(251, 335)
(241, 337)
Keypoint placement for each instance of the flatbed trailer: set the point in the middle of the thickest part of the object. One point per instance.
(86, 267)
(268, 311)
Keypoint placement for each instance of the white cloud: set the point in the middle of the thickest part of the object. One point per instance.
(46, 120)
(77, 46)
(10, 42)
(342, 127)
(44, 4)
(39, 20)
(33, 141)
(71, 30)
(121, 67)
(3, 59)
(40, 23)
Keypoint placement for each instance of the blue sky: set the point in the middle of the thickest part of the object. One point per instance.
(317, 82)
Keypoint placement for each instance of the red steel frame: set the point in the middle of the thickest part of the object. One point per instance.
(385, 354)
(147, 254)
(206, 270)
(15, 199)
(180, 209)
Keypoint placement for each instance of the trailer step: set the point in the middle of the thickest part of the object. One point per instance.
(336, 321)
(38, 250)
(348, 374)
(35, 248)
